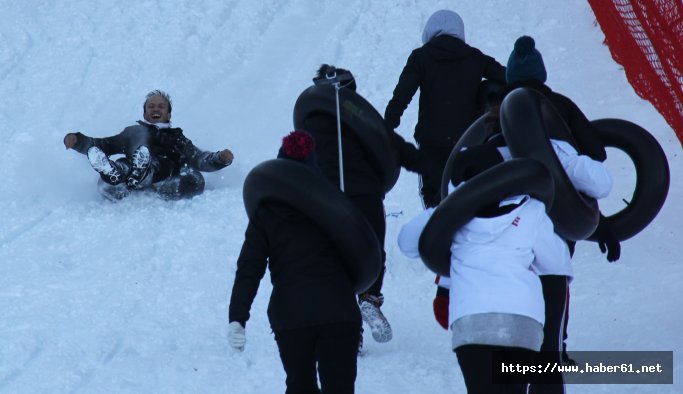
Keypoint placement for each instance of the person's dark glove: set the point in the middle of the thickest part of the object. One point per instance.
(441, 306)
(607, 241)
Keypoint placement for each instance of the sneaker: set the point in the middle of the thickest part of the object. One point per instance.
(373, 317)
(101, 163)
(140, 166)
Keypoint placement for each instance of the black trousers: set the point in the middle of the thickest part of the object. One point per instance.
(430, 184)
(189, 183)
(476, 366)
(333, 347)
(372, 207)
(555, 297)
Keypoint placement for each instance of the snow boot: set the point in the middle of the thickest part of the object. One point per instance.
(109, 171)
(140, 167)
(373, 317)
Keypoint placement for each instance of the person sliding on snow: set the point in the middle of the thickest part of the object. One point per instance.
(158, 157)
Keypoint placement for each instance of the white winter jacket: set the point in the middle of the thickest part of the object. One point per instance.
(494, 260)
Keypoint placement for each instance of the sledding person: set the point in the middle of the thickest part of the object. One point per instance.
(496, 301)
(448, 73)
(362, 185)
(158, 157)
(525, 68)
(312, 310)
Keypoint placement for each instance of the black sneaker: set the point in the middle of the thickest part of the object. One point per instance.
(373, 317)
(101, 163)
(140, 166)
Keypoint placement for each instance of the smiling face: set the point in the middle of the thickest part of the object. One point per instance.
(157, 110)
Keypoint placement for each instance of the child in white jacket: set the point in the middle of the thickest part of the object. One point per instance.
(496, 301)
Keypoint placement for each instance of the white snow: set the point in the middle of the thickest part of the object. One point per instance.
(132, 297)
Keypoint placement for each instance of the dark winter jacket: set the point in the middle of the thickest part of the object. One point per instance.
(168, 146)
(583, 131)
(310, 284)
(448, 73)
(361, 177)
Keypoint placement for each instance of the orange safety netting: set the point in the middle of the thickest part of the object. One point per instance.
(646, 38)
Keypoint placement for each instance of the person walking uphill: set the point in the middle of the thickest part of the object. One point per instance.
(525, 68)
(158, 157)
(312, 310)
(362, 182)
(448, 73)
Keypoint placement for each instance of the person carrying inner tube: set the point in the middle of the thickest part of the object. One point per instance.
(362, 182)
(497, 298)
(312, 310)
(525, 68)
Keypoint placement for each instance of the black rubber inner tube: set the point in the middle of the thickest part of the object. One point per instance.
(652, 175)
(301, 188)
(510, 178)
(359, 116)
(526, 117)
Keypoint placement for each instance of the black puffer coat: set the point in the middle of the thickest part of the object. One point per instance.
(310, 284)
(448, 73)
(168, 146)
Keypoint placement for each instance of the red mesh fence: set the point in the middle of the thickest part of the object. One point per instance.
(646, 38)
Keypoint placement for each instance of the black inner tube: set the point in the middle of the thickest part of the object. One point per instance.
(358, 115)
(512, 177)
(301, 188)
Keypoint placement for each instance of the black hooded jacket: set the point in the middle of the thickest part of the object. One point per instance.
(168, 146)
(448, 73)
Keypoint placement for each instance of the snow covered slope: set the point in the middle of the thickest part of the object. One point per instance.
(132, 297)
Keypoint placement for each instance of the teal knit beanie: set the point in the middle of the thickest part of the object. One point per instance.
(525, 62)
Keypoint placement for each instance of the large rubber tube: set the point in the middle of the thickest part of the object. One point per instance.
(361, 118)
(526, 118)
(652, 175)
(476, 134)
(513, 177)
(299, 187)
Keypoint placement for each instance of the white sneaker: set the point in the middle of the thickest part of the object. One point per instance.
(141, 160)
(101, 163)
(373, 317)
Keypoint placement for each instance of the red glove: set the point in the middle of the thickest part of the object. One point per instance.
(441, 307)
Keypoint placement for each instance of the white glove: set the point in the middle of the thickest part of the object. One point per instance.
(236, 336)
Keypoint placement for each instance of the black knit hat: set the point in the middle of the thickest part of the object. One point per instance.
(525, 62)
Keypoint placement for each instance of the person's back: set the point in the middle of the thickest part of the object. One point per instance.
(493, 257)
(448, 73)
(306, 270)
(360, 176)
(312, 309)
